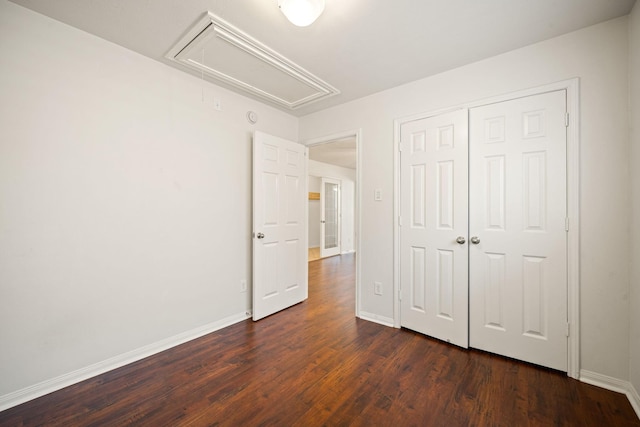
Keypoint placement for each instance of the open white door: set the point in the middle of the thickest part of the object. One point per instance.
(279, 218)
(433, 247)
(330, 217)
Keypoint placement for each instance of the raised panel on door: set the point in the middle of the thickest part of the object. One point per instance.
(517, 197)
(279, 241)
(434, 214)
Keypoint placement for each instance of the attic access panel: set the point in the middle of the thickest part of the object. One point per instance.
(219, 50)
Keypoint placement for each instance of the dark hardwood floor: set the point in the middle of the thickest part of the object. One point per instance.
(315, 364)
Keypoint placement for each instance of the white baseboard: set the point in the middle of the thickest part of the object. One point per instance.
(45, 387)
(386, 321)
(613, 384)
(634, 399)
(604, 381)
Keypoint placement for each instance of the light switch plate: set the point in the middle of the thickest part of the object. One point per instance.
(377, 288)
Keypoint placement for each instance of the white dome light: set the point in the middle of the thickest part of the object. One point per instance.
(301, 12)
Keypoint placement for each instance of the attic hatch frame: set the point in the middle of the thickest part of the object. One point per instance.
(212, 27)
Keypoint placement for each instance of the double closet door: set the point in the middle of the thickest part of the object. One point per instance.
(483, 242)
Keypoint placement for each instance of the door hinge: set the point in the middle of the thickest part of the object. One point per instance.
(566, 224)
(568, 331)
(402, 146)
(566, 119)
(400, 221)
(399, 294)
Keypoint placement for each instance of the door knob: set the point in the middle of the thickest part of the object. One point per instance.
(474, 240)
(260, 236)
(460, 240)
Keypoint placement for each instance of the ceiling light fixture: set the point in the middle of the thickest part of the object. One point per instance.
(301, 12)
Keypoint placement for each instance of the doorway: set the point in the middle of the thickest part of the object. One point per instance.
(332, 197)
(336, 157)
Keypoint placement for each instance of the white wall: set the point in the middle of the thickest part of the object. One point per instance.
(347, 200)
(598, 56)
(125, 201)
(634, 309)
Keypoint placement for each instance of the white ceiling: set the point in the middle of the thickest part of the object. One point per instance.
(358, 46)
(341, 152)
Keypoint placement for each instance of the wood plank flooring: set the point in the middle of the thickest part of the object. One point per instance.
(315, 364)
(314, 254)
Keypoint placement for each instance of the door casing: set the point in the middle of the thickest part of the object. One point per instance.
(573, 204)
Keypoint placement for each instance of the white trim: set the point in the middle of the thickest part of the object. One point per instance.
(358, 185)
(211, 26)
(634, 398)
(334, 137)
(573, 238)
(381, 320)
(306, 223)
(613, 384)
(45, 387)
(572, 87)
(397, 126)
(604, 381)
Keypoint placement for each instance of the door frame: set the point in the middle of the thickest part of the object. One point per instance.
(357, 134)
(572, 87)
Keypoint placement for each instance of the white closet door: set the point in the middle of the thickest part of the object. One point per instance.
(518, 248)
(434, 252)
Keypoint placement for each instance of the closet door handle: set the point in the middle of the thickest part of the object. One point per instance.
(474, 240)
(460, 240)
